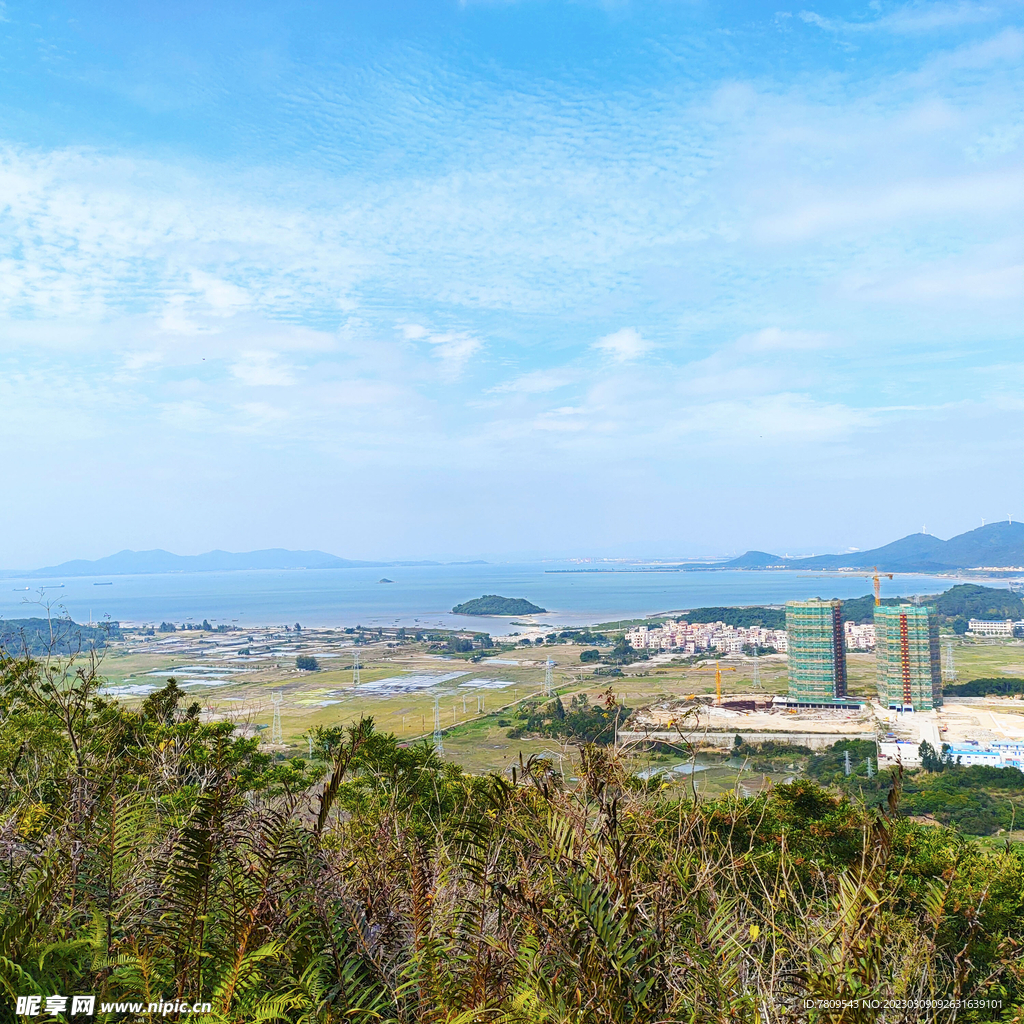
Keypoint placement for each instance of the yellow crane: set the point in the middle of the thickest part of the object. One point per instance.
(718, 679)
(878, 584)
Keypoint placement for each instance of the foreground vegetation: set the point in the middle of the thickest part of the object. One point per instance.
(146, 854)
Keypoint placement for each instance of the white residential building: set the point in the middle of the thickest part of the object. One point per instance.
(1002, 754)
(859, 637)
(992, 627)
(904, 752)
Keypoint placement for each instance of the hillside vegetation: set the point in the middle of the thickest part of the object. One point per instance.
(492, 604)
(145, 854)
(35, 636)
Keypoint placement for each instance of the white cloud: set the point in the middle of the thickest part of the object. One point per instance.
(262, 369)
(910, 18)
(453, 348)
(774, 339)
(624, 345)
(991, 194)
(537, 382)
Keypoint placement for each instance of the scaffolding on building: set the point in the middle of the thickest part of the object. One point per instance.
(907, 657)
(817, 651)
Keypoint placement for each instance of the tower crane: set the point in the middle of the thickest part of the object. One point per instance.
(878, 584)
(718, 679)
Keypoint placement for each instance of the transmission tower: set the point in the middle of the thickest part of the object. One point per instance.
(871, 771)
(355, 667)
(950, 668)
(548, 665)
(846, 759)
(275, 729)
(438, 738)
(757, 669)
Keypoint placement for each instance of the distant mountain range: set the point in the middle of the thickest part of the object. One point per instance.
(996, 545)
(126, 563)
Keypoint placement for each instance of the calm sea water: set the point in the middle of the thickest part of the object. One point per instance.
(423, 595)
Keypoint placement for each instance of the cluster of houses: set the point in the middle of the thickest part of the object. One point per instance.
(692, 638)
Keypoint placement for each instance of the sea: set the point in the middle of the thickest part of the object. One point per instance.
(423, 596)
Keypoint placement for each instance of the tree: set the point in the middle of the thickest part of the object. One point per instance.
(307, 663)
(298, 628)
(623, 652)
(930, 760)
(588, 656)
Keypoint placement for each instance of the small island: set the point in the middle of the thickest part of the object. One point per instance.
(492, 604)
(385, 580)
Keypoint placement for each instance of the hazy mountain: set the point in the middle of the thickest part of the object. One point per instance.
(158, 561)
(994, 545)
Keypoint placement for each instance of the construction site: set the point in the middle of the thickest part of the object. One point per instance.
(906, 709)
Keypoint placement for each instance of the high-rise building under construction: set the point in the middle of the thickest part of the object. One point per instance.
(907, 657)
(817, 652)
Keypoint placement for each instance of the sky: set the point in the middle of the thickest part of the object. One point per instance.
(536, 278)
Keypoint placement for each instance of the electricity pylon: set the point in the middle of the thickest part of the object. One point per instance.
(438, 738)
(548, 665)
(355, 667)
(846, 760)
(275, 729)
(950, 672)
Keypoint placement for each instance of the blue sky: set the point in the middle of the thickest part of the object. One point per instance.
(508, 279)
